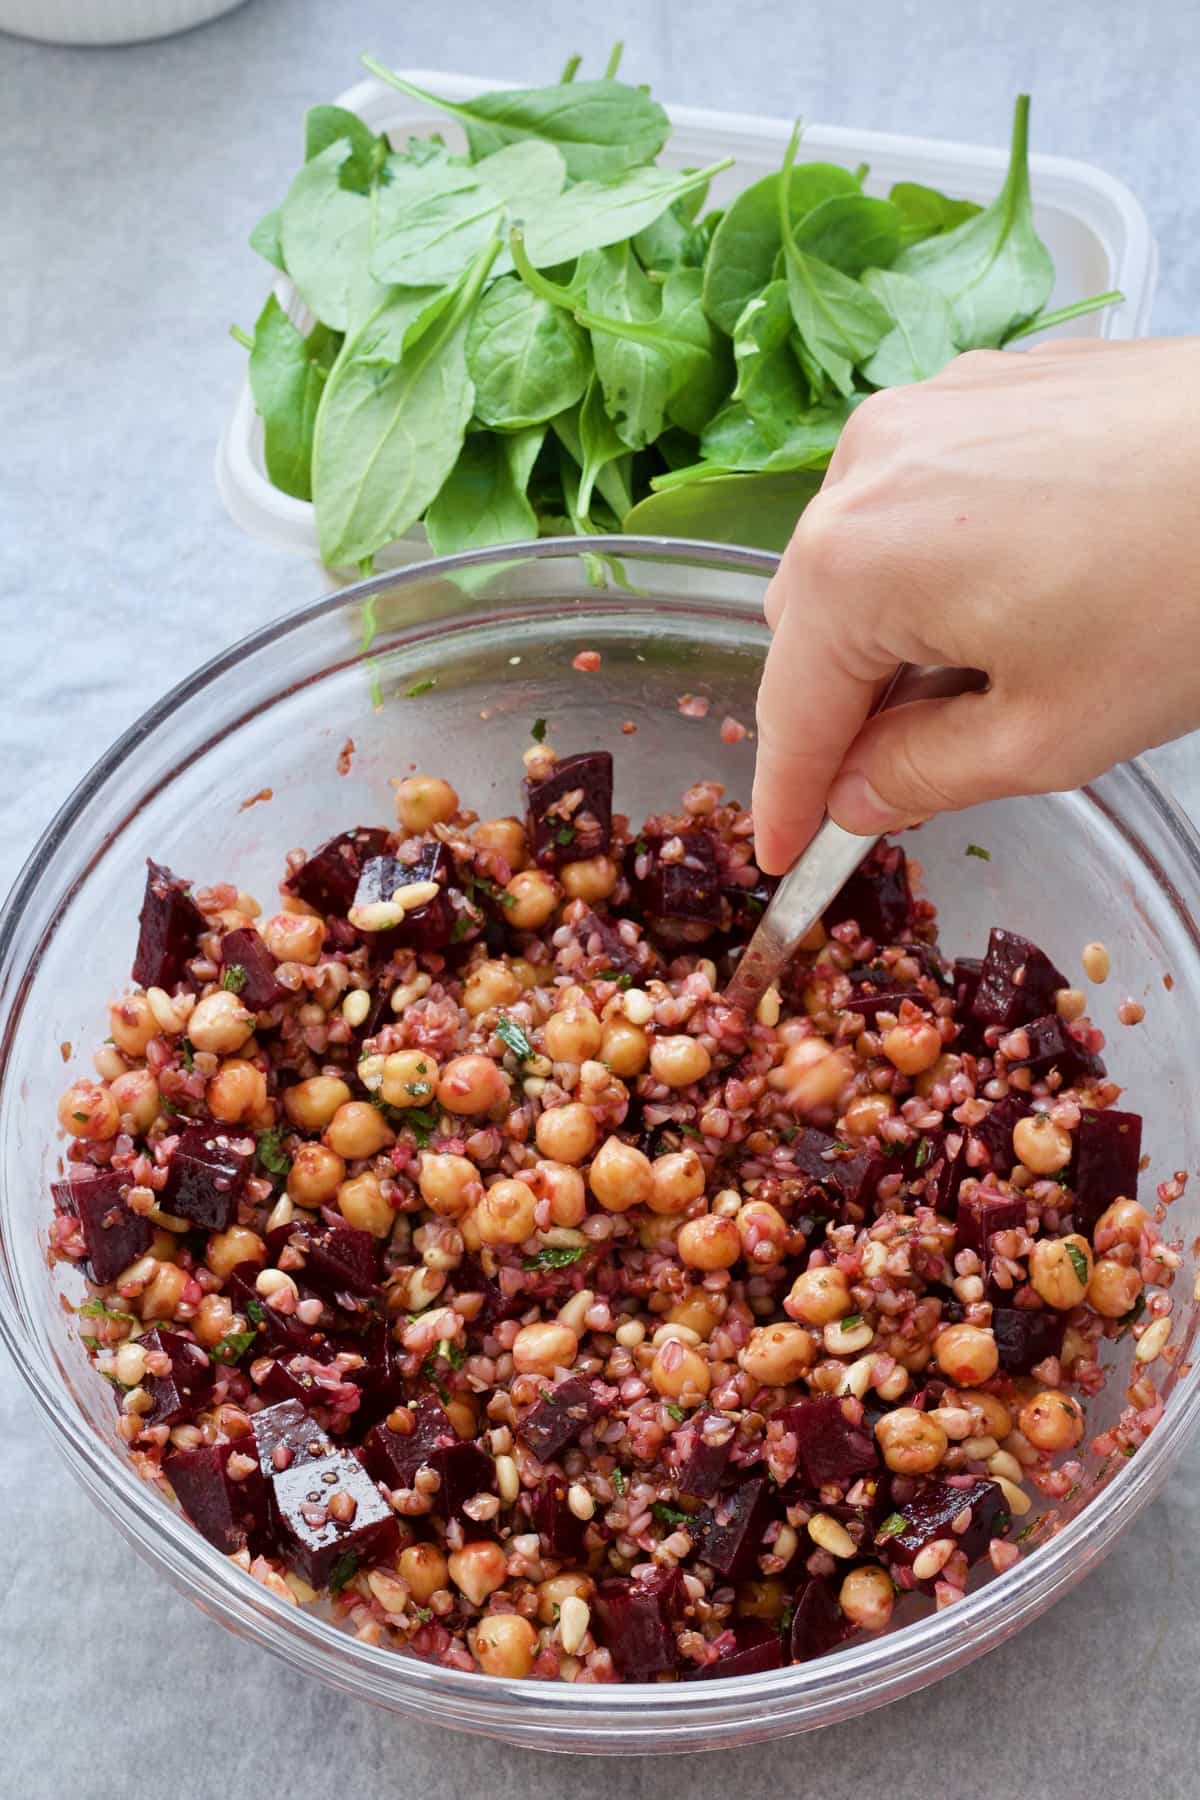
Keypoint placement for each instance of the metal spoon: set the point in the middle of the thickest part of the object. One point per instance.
(831, 857)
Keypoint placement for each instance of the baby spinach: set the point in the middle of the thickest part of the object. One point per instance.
(770, 385)
(924, 212)
(697, 358)
(735, 440)
(851, 232)
(590, 214)
(589, 438)
(433, 240)
(921, 340)
(729, 509)
(265, 239)
(527, 358)
(483, 500)
(634, 378)
(741, 258)
(287, 378)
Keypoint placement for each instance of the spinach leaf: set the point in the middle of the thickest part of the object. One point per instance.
(674, 239)
(265, 240)
(993, 269)
(591, 214)
(851, 233)
(737, 441)
(921, 340)
(483, 498)
(697, 357)
(325, 125)
(729, 509)
(924, 212)
(287, 378)
(634, 378)
(746, 242)
(604, 454)
(433, 240)
(527, 358)
(388, 436)
(839, 322)
(769, 384)
(601, 127)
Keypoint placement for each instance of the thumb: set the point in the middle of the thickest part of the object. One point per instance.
(929, 757)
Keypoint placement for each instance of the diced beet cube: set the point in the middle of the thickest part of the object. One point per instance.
(276, 1330)
(168, 926)
(728, 1534)
(852, 1175)
(394, 1457)
(931, 1514)
(830, 1448)
(466, 1469)
(1026, 1336)
(381, 1375)
(230, 1513)
(1104, 1168)
(995, 1136)
(469, 1278)
(753, 1646)
(877, 896)
(208, 1170)
(252, 967)
(1017, 983)
(747, 905)
(699, 1463)
(1052, 1046)
(605, 949)
(570, 810)
(284, 1381)
(328, 879)
(339, 1258)
(115, 1236)
(428, 927)
(637, 1621)
(552, 1519)
(560, 1415)
(934, 1170)
(313, 1540)
(180, 1394)
(818, 1622)
(685, 888)
(981, 1215)
(289, 1429)
(868, 1006)
(967, 974)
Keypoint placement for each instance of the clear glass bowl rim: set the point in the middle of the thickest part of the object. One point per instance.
(633, 1716)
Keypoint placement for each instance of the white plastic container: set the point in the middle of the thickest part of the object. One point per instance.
(107, 21)
(1095, 230)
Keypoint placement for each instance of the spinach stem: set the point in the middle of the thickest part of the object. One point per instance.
(241, 337)
(569, 68)
(614, 59)
(1064, 314)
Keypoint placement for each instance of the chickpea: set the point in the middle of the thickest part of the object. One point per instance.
(814, 1075)
(472, 1084)
(679, 1061)
(944, 1069)
(362, 1203)
(410, 1078)
(540, 1349)
(532, 898)
(490, 985)
(967, 1354)
(1121, 1223)
(573, 1035)
(136, 1095)
(505, 1644)
(220, 1023)
(912, 1443)
(711, 1242)
(701, 1312)
(1113, 1288)
(506, 836)
(1060, 1270)
(310, 1105)
(238, 1091)
(214, 1317)
(163, 1292)
(563, 1187)
(478, 1569)
(424, 1568)
(570, 1585)
(864, 1115)
(624, 1047)
(1041, 1145)
(566, 1134)
(448, 1184)
(656, 1231)
(592, 879)
(913, 1047)
(994, 1418)
(505, 1215)
(866, 1598)
(819, 1296)
(89, 1110)
(423, 801)
(131, 1024)
(777, 1354)
(294, 937)
(680, 1372)
(677, 1179)
(763, 1231)
(316, 1175)
(620, 1176)
(226, 1249)
(1051, 1421)
(358, 1129)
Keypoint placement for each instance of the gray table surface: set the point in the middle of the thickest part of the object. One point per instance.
(129, 180)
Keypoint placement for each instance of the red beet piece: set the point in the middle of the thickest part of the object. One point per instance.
(830, 1448)
(1052, 1046)
(869, 1005)
(995, 1135)
(276, 1331)
(338, 1258)
(560, 1415)
(747, 905)
(560, 1531)
(877, 896)
(851, 1176)
(931, 1514)
(818, 1622)
(1026, 1336)
(284, 1381)
(728, 1534)
(231, 1514)
(168, 926)
(1017, 983)
(750, 1647)
(688, 889)
(394, 1457)
(1104, 1168)
(637, 1621)
(982, 1214)
(114, 1235)
(181, 1393)
(570, 810)
(253, 969)
(428, 927)
(315, 1542)
(933, 1171)
(330, 876)
(605, 949)
(208, 1170)
(466, 1469)
(699, 1464)
(288, 1428)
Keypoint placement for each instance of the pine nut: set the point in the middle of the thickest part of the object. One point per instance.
(683, 1334)
(414, 894)
(1096, 962)
(933, 1558)
(573, 1622)
(857, 1377)
(1016, 1499)
(630, 1334)
(274, 1281)
(508, 1479)
(638, 1007)
(769, 1008)
(356, 1006)
(282, 1213)
(376, 915)
(830, 1535)
(980, 1448)
(574, 1312)
(1003, 1463)
(579, 1501)
(131, 1365)
(1153, 1340)
(786, 1544)
(404, 995)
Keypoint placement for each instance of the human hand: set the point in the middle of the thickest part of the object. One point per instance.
(1032, 515)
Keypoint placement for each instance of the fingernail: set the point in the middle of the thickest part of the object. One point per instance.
(858, 807)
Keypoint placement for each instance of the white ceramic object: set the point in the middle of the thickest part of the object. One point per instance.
(107, 21)
(1094, 227)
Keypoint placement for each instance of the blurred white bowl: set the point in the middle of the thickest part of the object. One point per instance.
(106, 21)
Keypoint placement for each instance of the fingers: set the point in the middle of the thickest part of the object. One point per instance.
(934, 756)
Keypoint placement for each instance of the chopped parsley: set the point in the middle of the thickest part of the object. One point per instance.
(786, 1617)
(565, 835)
(343, 1570)
(234, 979)
(690, 1131)
(421, 687)
(1135, 1312)
(618, 1480)
(850, 1321)
(82, 1118)
(554, 1256)
(924, 1152)
(754, 906)
(979, 851)
(511, 1035)
(96, 1309)
(423, 1613)
(670, 1515)
(622, 980)
(168, 1106)
(462, 924)
(676, 1412)
(840, 1144)
(422, 1123)
(537, 731)
(233, 1346)
(189, 1056)
(1078, 1263)
(255, 1313)
(892, 1526)
(270, 1151)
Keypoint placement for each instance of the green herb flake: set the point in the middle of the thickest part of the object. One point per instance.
(537, 731)
(96, 1309)
(1079, 1263)
(421, 687)
(255, 1313)
(619, 1482)
(91, 1343)
(979, 851)
(189, 1056)
(422, 1124)
(892, 1526)
(1127, 1450)
(554, 1256)
(924, 1152)
(270, 1152)
(514, 1038)
(850, 1321)
(233, 1346)
(1135, 1312)
(676, 1412)
(422, 1613)
(169, 1107)
(565, 835)
(344, 1570)
(670, 1515)
(234, 979)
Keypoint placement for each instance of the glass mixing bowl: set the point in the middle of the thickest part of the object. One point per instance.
(467, 653)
